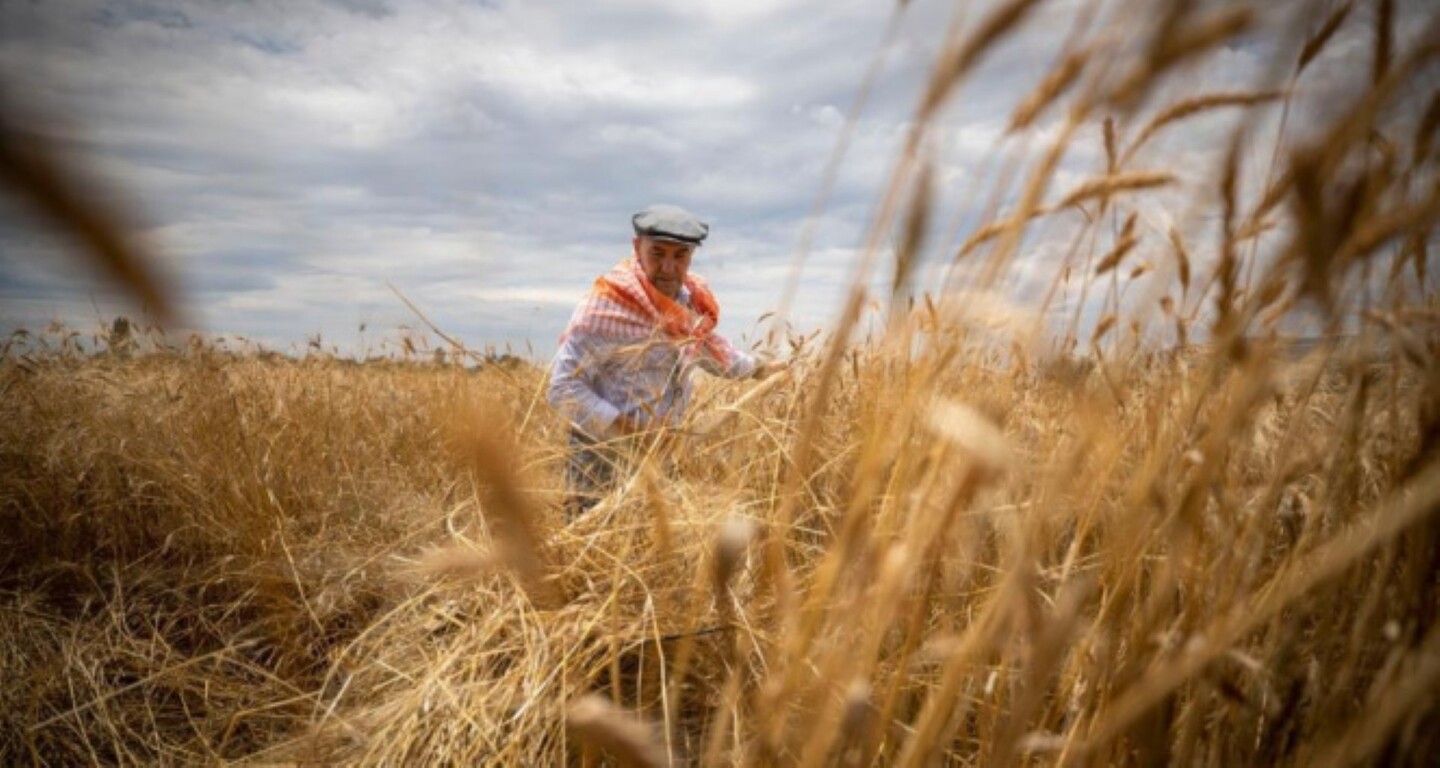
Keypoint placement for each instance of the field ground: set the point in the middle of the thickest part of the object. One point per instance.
(217, 557)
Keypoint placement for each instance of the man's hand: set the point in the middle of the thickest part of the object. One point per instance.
(769, 368)
(627, 425)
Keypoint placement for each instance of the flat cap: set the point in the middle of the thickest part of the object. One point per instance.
(670, 222)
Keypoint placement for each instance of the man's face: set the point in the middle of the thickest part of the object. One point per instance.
(665, 263)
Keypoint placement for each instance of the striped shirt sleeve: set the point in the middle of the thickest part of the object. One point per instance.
(570, 390)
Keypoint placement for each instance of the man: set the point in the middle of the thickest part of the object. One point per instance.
(625, 359)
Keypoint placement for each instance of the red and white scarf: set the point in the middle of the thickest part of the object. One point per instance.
(623, 306)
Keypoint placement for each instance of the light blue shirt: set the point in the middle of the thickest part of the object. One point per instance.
(594, 380)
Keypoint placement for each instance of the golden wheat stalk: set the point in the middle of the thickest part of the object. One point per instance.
(1105, 187)
(1056, 83)
(1123, 245)
(1175, 42)
(599, 724)
(1196, 105)
(1397, 514)
(33, 169)
(958, 59)
(480, 445)
(1322, 36)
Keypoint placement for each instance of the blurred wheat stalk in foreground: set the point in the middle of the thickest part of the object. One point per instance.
(918, 549)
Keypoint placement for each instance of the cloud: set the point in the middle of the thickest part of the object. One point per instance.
(290, 160)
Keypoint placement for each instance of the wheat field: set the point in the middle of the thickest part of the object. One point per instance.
(1169, 534)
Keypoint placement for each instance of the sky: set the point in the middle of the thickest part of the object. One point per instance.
(289, 162)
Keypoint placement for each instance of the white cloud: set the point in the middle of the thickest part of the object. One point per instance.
(291, 159)
(525, 295)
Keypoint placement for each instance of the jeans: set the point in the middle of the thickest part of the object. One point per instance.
(589, 473)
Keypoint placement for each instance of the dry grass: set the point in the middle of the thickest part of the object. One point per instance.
(228, 558)
(908, 551)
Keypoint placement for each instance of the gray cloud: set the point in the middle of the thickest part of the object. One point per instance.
(290, 160)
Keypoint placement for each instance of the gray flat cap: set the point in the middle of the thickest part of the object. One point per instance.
(670, 222)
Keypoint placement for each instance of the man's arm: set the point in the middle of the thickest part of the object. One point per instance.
(571, 393)
(742, 365)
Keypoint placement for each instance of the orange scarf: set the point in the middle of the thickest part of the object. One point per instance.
(624, 306)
